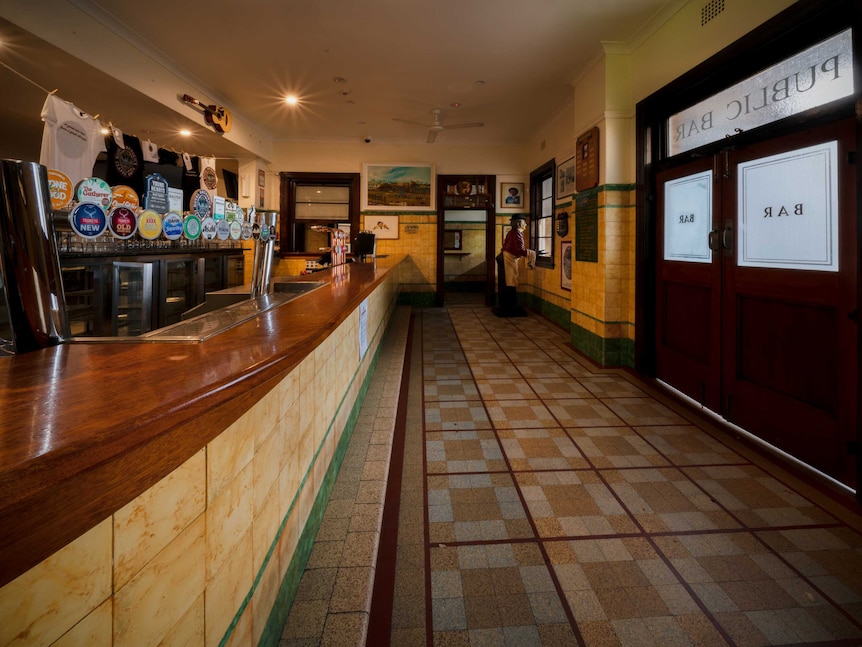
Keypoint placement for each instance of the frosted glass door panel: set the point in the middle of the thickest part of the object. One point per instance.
(687, 218)
(788, 210)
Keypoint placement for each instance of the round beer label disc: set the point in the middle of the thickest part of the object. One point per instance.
(172, 225)
(122, 223)
(246, 230)
(201, 204)
(88, 220)
(61, 189)
(208, 228)
(94, 190)
(222, 229)
(124, 196)
(235, 229)
(192, 227)
(149, 225)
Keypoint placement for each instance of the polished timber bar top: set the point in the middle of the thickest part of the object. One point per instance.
(84, 428)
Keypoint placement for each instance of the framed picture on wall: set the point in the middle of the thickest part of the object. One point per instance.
(383, 227)
(398, 187)
(566, 178)
(512, 195)
(566, 265)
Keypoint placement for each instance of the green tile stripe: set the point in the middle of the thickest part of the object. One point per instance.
(601, 321)
(406, 212)
(612, 351)
(290, 583)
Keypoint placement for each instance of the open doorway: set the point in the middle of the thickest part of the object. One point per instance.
(465, 240)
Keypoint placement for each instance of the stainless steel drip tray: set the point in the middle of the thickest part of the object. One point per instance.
(205, 326)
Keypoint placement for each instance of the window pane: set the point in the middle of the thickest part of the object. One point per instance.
(339, 194)
(306, 211)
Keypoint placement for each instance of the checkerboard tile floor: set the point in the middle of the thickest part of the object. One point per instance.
(564, 504)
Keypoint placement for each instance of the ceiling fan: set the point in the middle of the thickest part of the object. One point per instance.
(436, 127)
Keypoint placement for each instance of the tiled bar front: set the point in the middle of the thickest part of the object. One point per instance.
(200, 557)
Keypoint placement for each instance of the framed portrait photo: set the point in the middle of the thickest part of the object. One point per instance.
(512, 195)
(398, 187)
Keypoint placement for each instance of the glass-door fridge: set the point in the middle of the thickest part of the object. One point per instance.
(132, 305)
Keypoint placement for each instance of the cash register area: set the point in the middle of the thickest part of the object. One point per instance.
(537, 499)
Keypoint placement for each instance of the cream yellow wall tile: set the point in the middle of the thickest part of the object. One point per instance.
(42, 604)
(228, 454)
(227, 589)
(264, 417)
(189, 630)
(151, 604)
(94, 630)
(307, 448)
(263, 598)
(287, 393)
(241, 636)
(268, 463)
(228, 520)
(143, 527)
(287, 543)
(264, 528)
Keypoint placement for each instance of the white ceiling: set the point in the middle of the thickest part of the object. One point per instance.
(508, 63)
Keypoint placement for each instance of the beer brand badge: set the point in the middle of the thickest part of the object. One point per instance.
(218, 208)
(60, 187)
(201, 204)
(88, 220)
(149, 225)
(175, 199)
(156, 195)
(124, 196)
(208, 228)
(172, 225)
(246, 230)
(192, 227)
(96, 191)
(222, 229)
(209, 178)
(122, 222)
(235, 229)
(255, 231)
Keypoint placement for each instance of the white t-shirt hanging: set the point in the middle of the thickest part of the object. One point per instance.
(209, 178)
(150, 150)
(71, 139)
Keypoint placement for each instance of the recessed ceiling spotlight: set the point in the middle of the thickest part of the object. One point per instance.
(455, 105)
(339, 79)
(291, 100)
(185, 132)
(480, 83)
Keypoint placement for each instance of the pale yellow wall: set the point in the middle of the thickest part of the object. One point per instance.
(681, 43)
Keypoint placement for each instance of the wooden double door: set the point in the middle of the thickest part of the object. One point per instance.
(756, 290)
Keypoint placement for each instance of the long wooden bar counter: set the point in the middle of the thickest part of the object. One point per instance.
(87, 427)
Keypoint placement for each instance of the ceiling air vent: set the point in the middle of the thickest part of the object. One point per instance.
(710, 10)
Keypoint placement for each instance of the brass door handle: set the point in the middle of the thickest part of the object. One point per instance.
(727, 237)
(713, 240)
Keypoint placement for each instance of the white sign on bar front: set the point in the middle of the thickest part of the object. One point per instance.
(814, 77)
(788, 210)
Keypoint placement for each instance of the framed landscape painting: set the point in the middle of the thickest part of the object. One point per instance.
(398, 187)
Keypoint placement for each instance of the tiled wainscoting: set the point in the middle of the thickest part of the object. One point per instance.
(204, 555)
